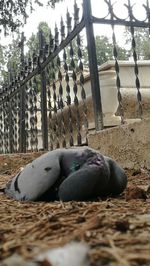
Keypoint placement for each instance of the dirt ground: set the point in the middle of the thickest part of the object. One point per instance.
(117, 230)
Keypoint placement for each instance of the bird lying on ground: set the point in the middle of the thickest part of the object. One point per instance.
(68, 174)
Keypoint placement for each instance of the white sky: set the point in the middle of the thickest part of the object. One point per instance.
(99, 9)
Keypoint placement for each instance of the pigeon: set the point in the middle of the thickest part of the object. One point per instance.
(68, 174)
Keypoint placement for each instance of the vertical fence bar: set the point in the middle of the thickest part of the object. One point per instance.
(44, 111)
(95, 85)
(43, 95)
(135, 58)
(22, 137)
(10, 127)
(9, 114)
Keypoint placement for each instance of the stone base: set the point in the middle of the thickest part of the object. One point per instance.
(110, 120)
(127, 144)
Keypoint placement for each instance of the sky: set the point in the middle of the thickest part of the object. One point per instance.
(99, 9)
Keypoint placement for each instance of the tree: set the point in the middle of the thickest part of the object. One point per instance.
(2, 64)
(14, 13)
(73, 47)
(9, 60)
(141, 36)
(33, 42)
(10, 56)
(146, 49)
(104, 49)
(33, 45)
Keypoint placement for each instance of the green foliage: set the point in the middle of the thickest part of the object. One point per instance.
(33, 42)
(104, 49)
(9, 60)
(1, 54)
(14, 13)
(2, 64)
(13, 55)
(10, 56)
(141, 36)
(146, 49)
(73, 46)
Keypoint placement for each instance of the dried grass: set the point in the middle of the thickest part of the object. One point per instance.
(117, 230)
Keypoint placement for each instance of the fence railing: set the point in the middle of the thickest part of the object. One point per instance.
(47, 100)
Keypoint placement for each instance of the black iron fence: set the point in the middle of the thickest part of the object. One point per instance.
(45, 105)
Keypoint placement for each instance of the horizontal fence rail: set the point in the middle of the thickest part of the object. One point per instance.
(56, 98)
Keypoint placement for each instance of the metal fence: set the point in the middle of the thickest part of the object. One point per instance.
(57, 113)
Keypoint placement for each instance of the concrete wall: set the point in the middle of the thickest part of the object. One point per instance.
(107, 77)
(128, 144)
(128, 86)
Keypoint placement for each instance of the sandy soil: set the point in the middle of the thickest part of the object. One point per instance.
(117, 230)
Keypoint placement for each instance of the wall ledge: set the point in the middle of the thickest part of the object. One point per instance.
(128, 144)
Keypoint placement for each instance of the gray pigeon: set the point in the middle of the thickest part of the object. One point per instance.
(68, 174)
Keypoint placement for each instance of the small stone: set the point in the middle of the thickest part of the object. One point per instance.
(72, 254)
(80, 219)
(88, 234)
(122, 225)
(17, 260)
